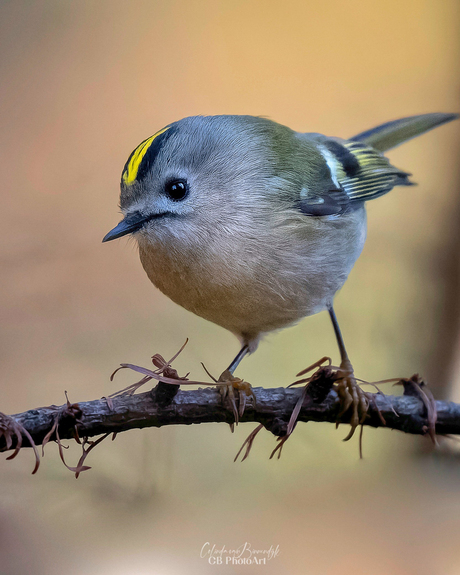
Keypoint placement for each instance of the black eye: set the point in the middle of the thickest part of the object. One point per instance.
(177, 190)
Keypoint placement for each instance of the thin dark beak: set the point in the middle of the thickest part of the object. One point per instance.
(128, 225)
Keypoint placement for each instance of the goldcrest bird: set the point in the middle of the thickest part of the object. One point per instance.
(254, 226)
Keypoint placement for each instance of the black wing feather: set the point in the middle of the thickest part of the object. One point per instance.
(358, 172)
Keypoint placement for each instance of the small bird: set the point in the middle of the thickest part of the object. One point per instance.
(254, 226)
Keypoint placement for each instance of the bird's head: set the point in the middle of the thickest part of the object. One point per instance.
(194, 176)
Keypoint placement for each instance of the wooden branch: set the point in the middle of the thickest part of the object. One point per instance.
(168, 405)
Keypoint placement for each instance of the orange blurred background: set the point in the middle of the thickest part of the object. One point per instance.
(82, 83)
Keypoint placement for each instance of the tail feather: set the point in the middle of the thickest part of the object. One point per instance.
(392, 134)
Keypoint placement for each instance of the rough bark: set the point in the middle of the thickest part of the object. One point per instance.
(415, 412)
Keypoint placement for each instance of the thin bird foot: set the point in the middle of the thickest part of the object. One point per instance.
(351, 397)
(237, 391)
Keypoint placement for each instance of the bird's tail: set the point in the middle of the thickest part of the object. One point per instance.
(392, 134)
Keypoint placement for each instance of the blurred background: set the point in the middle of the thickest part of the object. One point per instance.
(82, 83)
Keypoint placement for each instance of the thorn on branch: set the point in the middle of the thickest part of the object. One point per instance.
(12, 431)
(67, 416)
(248, 442)
(416, 387)
(164, 374)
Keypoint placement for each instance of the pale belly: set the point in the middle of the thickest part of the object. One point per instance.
(250, 291)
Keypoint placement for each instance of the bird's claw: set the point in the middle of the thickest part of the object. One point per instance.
(237, 391)
(351, 396)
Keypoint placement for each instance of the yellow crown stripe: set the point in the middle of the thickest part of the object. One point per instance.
(130, 174)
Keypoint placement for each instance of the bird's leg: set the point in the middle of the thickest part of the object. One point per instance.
(351, 395)
(236, 389)
(238, 358)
